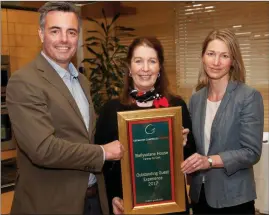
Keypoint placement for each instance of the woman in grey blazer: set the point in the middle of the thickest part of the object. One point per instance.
(227, 120)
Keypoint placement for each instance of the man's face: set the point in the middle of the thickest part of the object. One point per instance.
(60, 36)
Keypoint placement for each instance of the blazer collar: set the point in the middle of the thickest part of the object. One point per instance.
(53, 78)
(203, 100)
(86, 88)
(227, 95)
(232, 85)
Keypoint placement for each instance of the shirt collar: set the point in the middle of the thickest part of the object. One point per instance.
(61, 71)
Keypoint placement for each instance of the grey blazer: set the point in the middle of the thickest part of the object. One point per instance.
(236, 135)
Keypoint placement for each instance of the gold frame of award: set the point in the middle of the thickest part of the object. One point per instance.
(177, 203)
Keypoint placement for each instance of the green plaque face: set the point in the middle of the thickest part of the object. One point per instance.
(151, 161)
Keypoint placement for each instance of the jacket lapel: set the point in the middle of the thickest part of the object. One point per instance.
(231, 86)
(86, 89)
(53, 78)
(202, 122)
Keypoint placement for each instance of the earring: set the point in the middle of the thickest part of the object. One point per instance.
(159, 74)
(130, 74)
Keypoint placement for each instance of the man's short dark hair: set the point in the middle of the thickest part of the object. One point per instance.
(56, 6)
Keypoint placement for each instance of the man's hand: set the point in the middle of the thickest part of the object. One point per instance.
(113, 150)
(117, 204)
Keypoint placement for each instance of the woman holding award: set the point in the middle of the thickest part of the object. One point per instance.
(227, 118)
(145, 87)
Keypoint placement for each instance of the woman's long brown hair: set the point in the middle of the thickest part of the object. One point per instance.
(161, 84)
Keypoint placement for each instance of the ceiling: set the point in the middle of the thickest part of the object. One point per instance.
(35, 5)
(88, 8)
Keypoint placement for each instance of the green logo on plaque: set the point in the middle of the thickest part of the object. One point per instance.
(151, 153)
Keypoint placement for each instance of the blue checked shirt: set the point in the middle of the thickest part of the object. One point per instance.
(71, 81)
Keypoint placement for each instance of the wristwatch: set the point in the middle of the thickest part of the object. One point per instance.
(210, 162)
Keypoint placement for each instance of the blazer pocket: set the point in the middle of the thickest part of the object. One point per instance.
(235, 188)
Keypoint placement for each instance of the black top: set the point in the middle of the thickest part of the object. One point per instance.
(107, 131)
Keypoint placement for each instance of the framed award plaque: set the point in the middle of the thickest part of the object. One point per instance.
(151, 176)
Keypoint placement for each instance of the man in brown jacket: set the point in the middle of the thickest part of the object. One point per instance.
(53, 120)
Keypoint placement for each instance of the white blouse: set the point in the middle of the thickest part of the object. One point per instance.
(211, 110)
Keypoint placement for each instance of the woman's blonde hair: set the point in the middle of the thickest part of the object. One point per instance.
(237, 71)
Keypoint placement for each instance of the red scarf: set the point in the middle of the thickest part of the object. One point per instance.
(161, 102)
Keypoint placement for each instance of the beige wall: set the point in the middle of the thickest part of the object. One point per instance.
(19, 33)
(155, 19)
